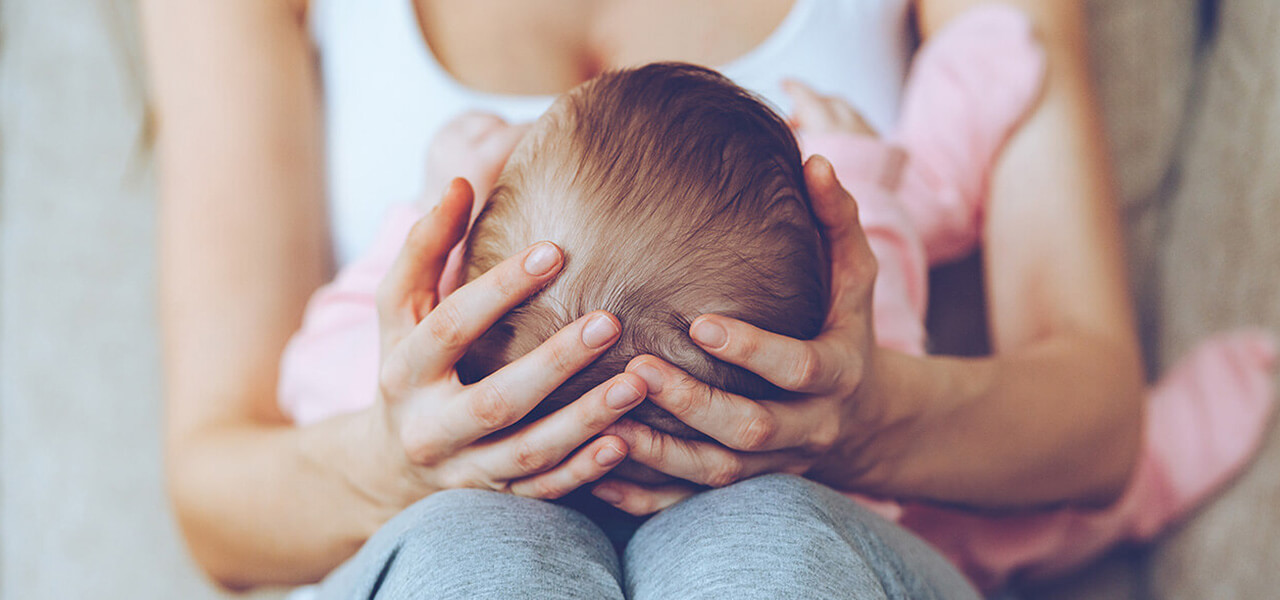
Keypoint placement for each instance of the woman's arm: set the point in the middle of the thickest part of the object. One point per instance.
(243, 245)
(1053, 416)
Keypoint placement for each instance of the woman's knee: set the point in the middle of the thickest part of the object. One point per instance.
(760, 500)
(482, 544)
(779, 487)
(482, 523)
(738, 514)
(782, 536)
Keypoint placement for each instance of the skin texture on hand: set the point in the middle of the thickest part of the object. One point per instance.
(452, 435)
(755, 437)
(1054, 416)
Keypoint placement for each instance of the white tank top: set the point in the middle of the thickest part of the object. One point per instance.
(385, 95)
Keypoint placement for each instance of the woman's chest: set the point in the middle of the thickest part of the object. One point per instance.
(390, 81)
(548, 47)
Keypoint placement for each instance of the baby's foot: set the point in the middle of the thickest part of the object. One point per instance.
(1205, 419)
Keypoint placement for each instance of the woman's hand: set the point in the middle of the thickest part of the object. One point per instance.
(831, 375)
(446, 435)
(474, 146)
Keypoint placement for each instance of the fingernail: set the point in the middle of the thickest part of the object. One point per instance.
(598, 331)
(541, 259)
(709, 334)
(651, 376)
(608, 494)
(621, 395)
(608, 455)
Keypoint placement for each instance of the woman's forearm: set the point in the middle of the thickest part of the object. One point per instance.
(243, 244)
(1056, 422)
(1055, 415)
(276, 504)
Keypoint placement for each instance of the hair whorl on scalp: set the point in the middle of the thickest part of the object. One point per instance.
(673, 193)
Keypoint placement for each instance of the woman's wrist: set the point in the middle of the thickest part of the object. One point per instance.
(368, 462)
(999, 432)
(904, 402)
(878, 424)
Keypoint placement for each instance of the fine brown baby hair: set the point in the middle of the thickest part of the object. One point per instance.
(673, 193)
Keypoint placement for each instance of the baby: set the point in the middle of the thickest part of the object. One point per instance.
(675, 193)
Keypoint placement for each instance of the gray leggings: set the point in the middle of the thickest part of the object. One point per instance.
(777, 536)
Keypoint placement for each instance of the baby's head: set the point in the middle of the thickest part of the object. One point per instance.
(674, 193)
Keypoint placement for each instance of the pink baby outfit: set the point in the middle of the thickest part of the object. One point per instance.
(968, 90)
(920, 200)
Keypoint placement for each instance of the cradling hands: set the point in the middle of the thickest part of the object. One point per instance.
(831, 423)
(436, 433)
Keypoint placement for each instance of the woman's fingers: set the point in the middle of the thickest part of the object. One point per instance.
(501, 399)
(806, 366)
(407, 292)
(700, 462)
(641, 500)
(586, 465)
(456, 322)
(544, 444)
(737, 422)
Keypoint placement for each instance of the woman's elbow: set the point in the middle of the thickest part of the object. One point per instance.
(190, 503)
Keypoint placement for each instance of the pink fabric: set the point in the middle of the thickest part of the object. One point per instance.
(968, 89)
(330, 366)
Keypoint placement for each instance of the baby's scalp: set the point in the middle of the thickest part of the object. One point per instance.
(674, 193)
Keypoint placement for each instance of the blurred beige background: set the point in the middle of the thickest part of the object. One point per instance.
(1193, 108)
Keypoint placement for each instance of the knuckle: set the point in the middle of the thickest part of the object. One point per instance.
(637, 504)
(597, 417)
(509, 281)
(418, 454)
(725, 472)
(646, 506)
(502, 283)
(806, 371)
(489, 407)
(561, 357)
(747, 345)
(418, 241)
(391, 377)
(531, 459)
(453, 479)
(757, 433)
(423, 448)
(445, 326)
(823, 436)
(682, 398)
(546, 489)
